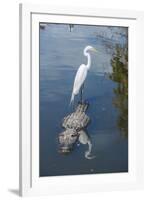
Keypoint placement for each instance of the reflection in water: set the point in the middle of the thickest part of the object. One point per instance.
(119, 64)
(71, 26)
(85, 139)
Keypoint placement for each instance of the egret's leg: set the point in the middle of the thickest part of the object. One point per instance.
(73, 106)
(81, 95)
(82, 90)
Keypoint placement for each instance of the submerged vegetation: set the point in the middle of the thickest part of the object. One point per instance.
(119, 74)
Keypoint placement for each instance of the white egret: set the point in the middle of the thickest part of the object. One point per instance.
(82, 74)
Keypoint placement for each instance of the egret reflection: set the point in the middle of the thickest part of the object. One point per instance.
(85, 139)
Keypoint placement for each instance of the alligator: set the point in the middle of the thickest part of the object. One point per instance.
(74, 125)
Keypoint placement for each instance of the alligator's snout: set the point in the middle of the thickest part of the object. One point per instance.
(66, 140)
(65, 150)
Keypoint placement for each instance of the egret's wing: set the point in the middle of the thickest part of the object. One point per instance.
(79, 78)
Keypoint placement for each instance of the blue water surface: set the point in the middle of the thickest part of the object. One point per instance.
(61, 53)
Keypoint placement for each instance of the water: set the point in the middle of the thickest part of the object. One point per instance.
(61, 53)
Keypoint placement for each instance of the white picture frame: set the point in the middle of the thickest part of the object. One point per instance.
(30, 182)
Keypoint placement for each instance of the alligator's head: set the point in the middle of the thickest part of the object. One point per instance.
(67, 140)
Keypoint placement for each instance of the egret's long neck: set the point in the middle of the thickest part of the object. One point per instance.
(88, 59)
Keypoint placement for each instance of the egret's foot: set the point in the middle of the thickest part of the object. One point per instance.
(80, 102)
(83, 102)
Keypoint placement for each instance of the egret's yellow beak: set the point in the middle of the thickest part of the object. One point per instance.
(93, 49)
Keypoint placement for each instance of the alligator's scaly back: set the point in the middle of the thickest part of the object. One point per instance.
(72, 124)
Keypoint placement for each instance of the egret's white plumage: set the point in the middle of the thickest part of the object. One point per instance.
(82, 73)
(79, 80)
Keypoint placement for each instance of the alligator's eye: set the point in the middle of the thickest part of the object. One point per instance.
(72, 135)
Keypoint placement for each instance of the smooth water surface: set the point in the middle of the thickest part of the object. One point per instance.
(61, 53)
